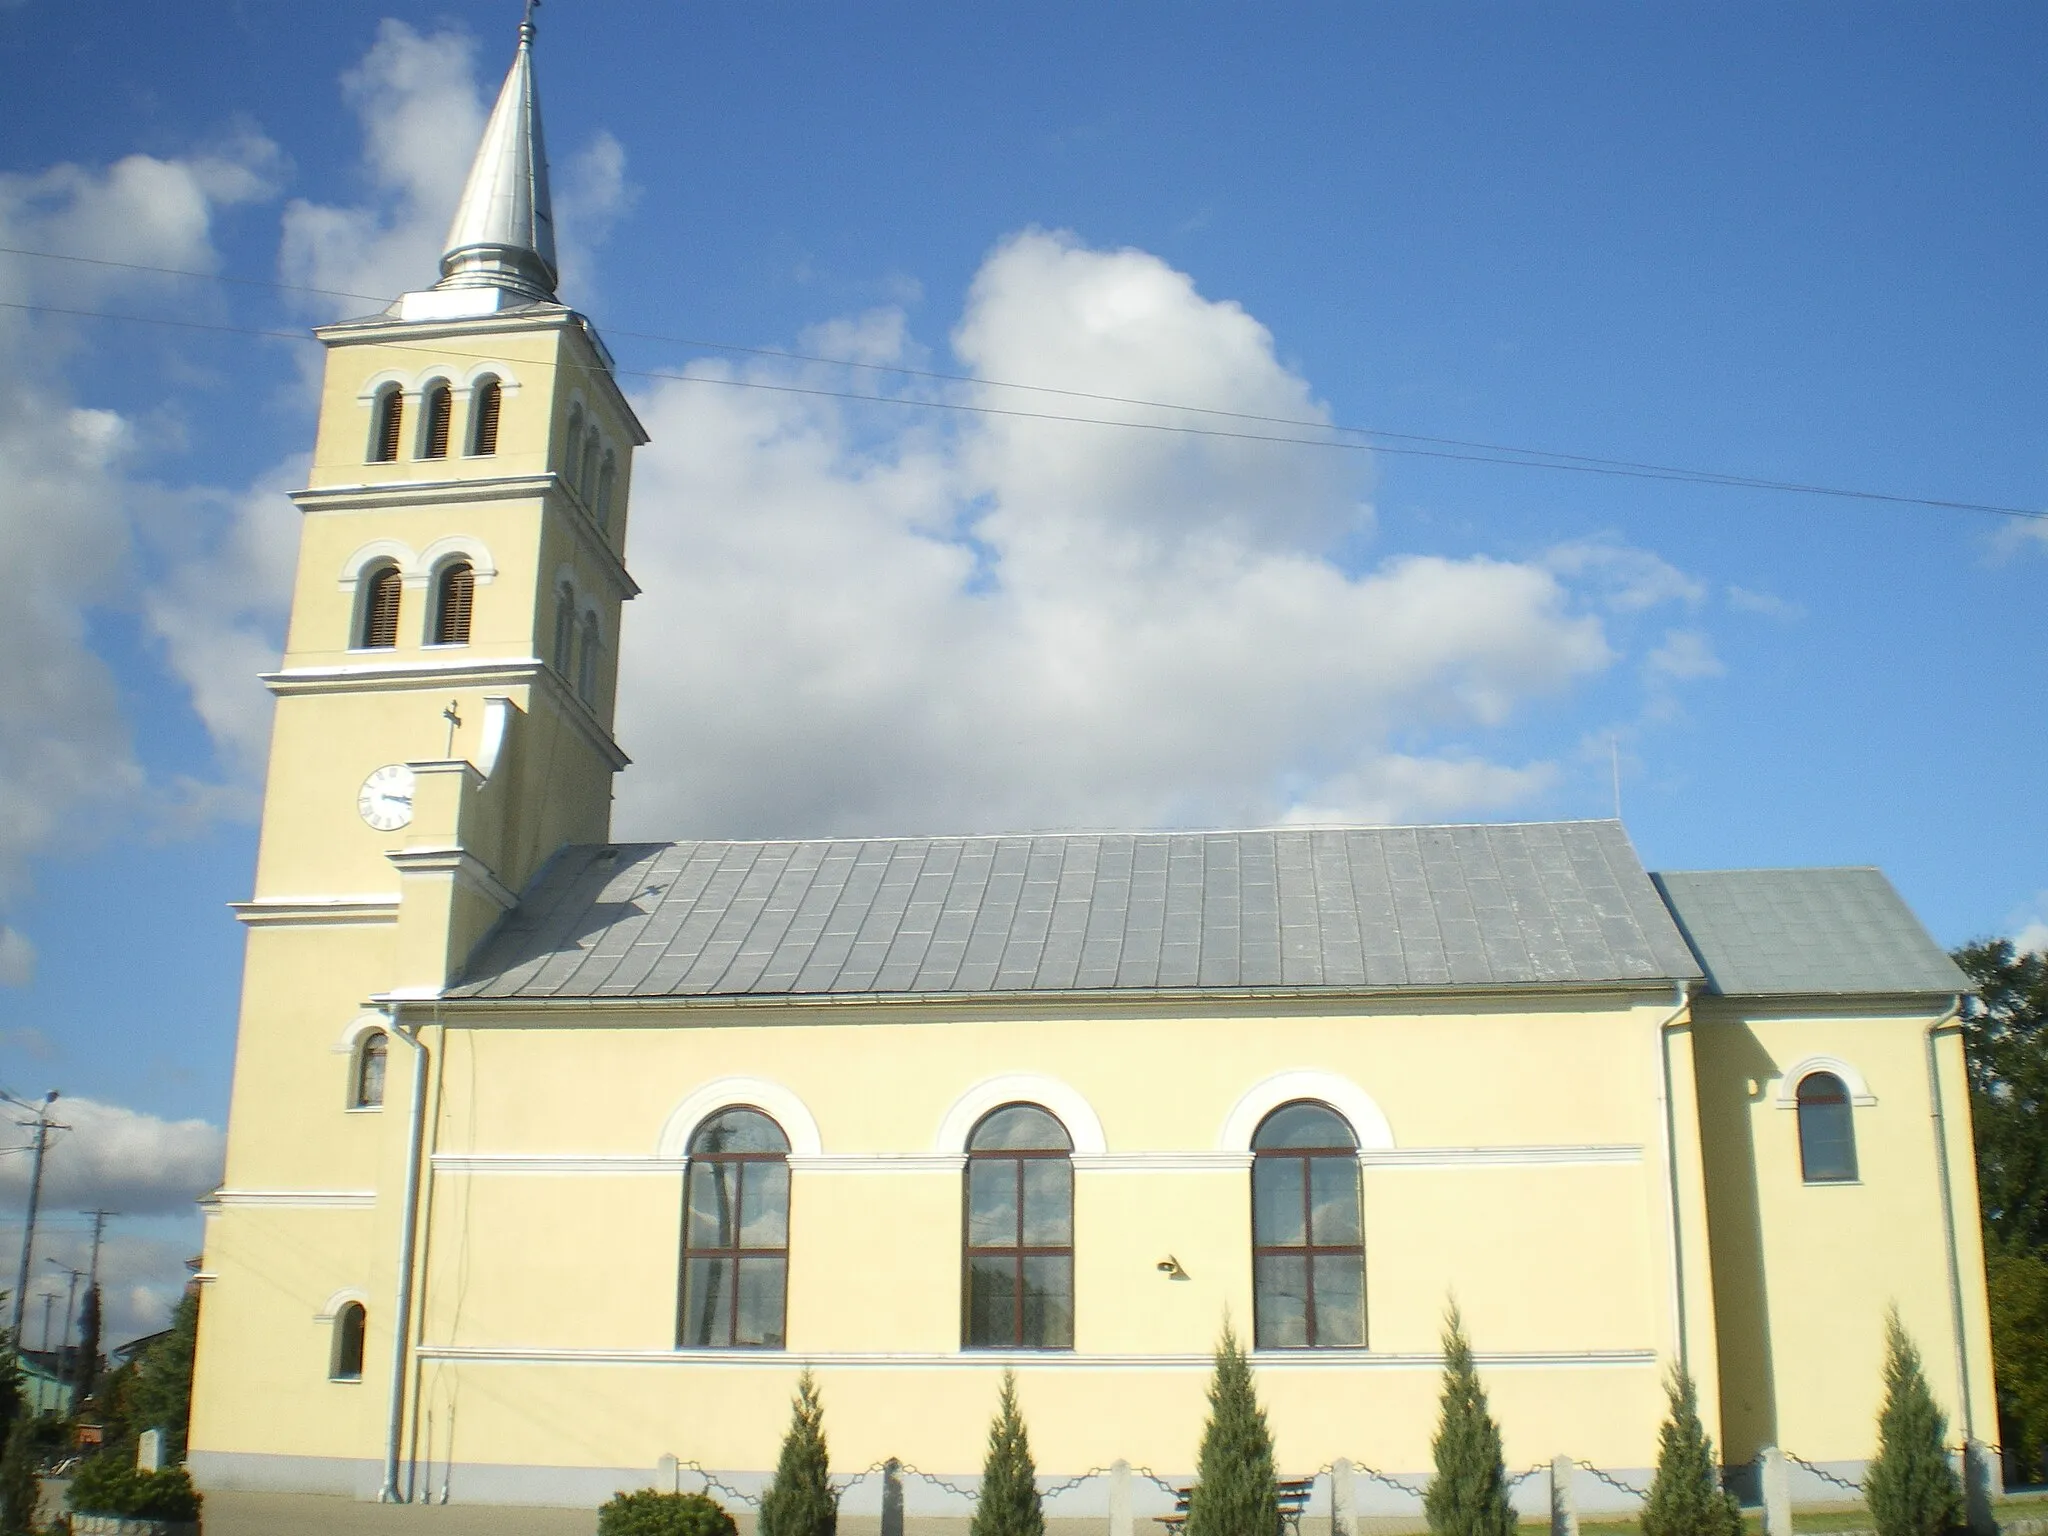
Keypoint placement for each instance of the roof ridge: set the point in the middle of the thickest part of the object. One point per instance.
(1226, 831)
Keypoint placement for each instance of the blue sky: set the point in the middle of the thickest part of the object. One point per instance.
(1792, 243)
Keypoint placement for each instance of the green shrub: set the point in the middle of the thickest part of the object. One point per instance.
(20, 1492)
(1911, 1488)
(1469, 1494)
(111, 1485)
(800, 1501)
(1687, 1498)
(1008, 1504)
(651, 1512)
(1235, 1492)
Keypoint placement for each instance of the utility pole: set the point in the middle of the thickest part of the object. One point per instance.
(70, 1304)
(99, 1226)
(49, 1301)
(43, 1125)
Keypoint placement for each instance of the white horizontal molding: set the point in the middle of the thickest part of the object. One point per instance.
(884, 1162)
(298, 1199)
(315, 911)
(458, 863)
(1162, 1162)
(1286, 1360)
(1499, 1157)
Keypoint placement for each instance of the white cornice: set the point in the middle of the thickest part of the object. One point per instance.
(314, 911)
(1148, 1161)
(297, 1199)
(1032, 1359)
(510, 672)
(460, 862)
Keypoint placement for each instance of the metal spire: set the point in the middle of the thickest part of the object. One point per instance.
(504, 230)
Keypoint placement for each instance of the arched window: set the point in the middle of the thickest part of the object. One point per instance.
(735, 1234)
(366, 1081)
(1827, 1130)
(1308, 1243)
(377, 629)
(587, 655)
(572, 446)
(350, 1323)
(454, 595)
(387, 417)
(586, 483)
(1019, 1290)
(565, 628)
(604, 492)
(486, 399)
(438, 413)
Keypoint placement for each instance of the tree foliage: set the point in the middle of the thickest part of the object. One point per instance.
(1236, 1491)
(111, 1484)
(1008, 1504)
(87, 1373)
(650, 1512)
(1910, 1486)
(1687, 1498)
(161, 1396)
(799, 1502)
(20, 1489)
(1469, 1494)
(2006, 1035)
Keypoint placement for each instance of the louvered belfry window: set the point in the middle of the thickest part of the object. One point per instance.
(380, 610)
(440, 412)
(390, 418)
(483, 437)
(452, 604)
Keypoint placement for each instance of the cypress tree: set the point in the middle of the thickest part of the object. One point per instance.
(1687, 1498)
(1235, 1492)
(1469, 1494)
(1008, 1504)
(1910, 1487)
(88, 1372)
(20, 1489)
(799, 1502)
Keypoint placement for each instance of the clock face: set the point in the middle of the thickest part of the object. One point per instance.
(386, 798)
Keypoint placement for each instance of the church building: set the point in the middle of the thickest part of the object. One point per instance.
(553, 1161)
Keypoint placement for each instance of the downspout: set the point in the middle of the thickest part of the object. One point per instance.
(1948, 1214)
(1674, 1205)
(401, 1311)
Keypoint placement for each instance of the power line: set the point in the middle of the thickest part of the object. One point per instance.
(1375, 440)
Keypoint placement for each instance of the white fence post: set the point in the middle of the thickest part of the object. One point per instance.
(1564, 1509)
(1120, 1498)
(149, 1451)
(1777, 1492)
(1343, 1498)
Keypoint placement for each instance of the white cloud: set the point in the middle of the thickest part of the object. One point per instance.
(1745, 601)
(17, 958)
(1684, 655)
(865, 618)
(142, 1270)
(117, 1159)
(1628, 580)
(2033, 938)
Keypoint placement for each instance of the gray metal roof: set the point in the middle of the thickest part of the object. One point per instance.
(1554, 903)
(1769, 932)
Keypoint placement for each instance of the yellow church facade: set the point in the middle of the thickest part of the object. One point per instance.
(552, 1157)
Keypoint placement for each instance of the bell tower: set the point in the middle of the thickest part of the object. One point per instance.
(446, 699)
(443, 725)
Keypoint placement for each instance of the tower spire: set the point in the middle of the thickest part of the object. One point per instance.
(503, 235)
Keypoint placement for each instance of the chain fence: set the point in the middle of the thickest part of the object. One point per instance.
(1820, 1472)
(1612, 1481)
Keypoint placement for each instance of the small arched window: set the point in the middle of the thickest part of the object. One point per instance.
(587, 655)
(350, 1324)
(565, 628)
(454, 596)
(735, 1234)
(366, 1081)
(377, 629)
(1827, 1130)
(604, 492)
(1019, 1291)
(387, 419)
(485, 401)
(572, 446)
(438, 414)
(586, 483)
(1308, 1243)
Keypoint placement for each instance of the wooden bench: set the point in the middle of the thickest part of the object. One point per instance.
(1294, 1497)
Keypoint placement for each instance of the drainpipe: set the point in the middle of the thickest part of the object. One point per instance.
(1681, 1002)
(401, 1311)
(1948, 1213)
